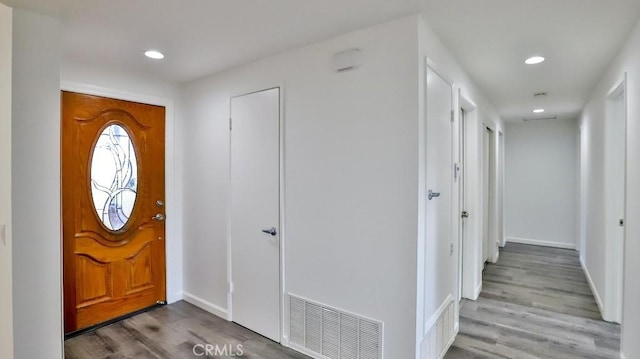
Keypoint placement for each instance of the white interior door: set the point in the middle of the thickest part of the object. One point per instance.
(440, 262)
(255, 211)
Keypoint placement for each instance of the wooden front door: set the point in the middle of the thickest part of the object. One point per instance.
(113, 208)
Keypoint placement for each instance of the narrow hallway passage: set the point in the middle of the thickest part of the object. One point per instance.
(535, 303)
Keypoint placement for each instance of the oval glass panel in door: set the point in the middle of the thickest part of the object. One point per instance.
(114, 177)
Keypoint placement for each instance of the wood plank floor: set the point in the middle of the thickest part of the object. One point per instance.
(170, 332)
(535, 303)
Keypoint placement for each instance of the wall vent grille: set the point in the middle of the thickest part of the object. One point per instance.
(331, 333)
(441, 333)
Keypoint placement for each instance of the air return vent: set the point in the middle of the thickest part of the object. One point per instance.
(326, 332)
(540, 118)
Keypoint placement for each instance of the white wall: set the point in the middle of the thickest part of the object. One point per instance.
(6, 300)
(351, 154)
(541, 177)
(88, 79)
(36, 186)
(592, 250)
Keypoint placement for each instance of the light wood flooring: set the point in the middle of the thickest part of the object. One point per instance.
(170, 332)
(535, 303)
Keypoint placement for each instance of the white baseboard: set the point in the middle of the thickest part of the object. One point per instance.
(537, 242)
(205, 305)
(174, 298)
(496, 256)
(596, 295)
(305, 351)
(476, 293)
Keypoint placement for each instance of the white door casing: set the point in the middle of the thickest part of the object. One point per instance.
(255, 206)
(462, 199)
(486, 185)
(615, 197)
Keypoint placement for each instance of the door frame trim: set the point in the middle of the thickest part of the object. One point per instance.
(614, 254)
(173, 182)
(471, 253)
(284, 340)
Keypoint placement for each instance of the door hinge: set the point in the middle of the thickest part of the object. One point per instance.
(230, 123)
(452, 115)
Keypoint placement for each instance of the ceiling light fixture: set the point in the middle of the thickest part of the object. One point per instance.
(153, 54)
(538, 110)
(534, 60)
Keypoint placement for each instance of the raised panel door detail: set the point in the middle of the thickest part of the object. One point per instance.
(139, 268)
(94, 281)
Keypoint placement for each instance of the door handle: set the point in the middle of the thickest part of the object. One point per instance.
(158, 217)
(431, 195)
(465, 214)
(272, 231)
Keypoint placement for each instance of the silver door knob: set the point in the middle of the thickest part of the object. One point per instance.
(431, 195)
(272, 231)
(158, 217)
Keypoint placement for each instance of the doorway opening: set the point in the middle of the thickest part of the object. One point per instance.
(615, 194)
(464, 214)
(489, 243)
(470, 241)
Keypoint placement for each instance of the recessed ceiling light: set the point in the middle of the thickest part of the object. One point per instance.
(538, 110)
(153, 54)
(534, 60)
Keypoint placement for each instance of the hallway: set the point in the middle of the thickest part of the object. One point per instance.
(535, 303)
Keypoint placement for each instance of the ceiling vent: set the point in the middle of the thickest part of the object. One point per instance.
(540, 119)
(325, 332)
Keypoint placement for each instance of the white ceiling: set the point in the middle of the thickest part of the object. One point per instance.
(491, 38)
(200, 37)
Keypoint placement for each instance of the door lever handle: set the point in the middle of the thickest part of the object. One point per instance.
(158, 217)
(431, 195)
(272, 231)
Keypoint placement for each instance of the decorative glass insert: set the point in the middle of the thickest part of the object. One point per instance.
(114, 177)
